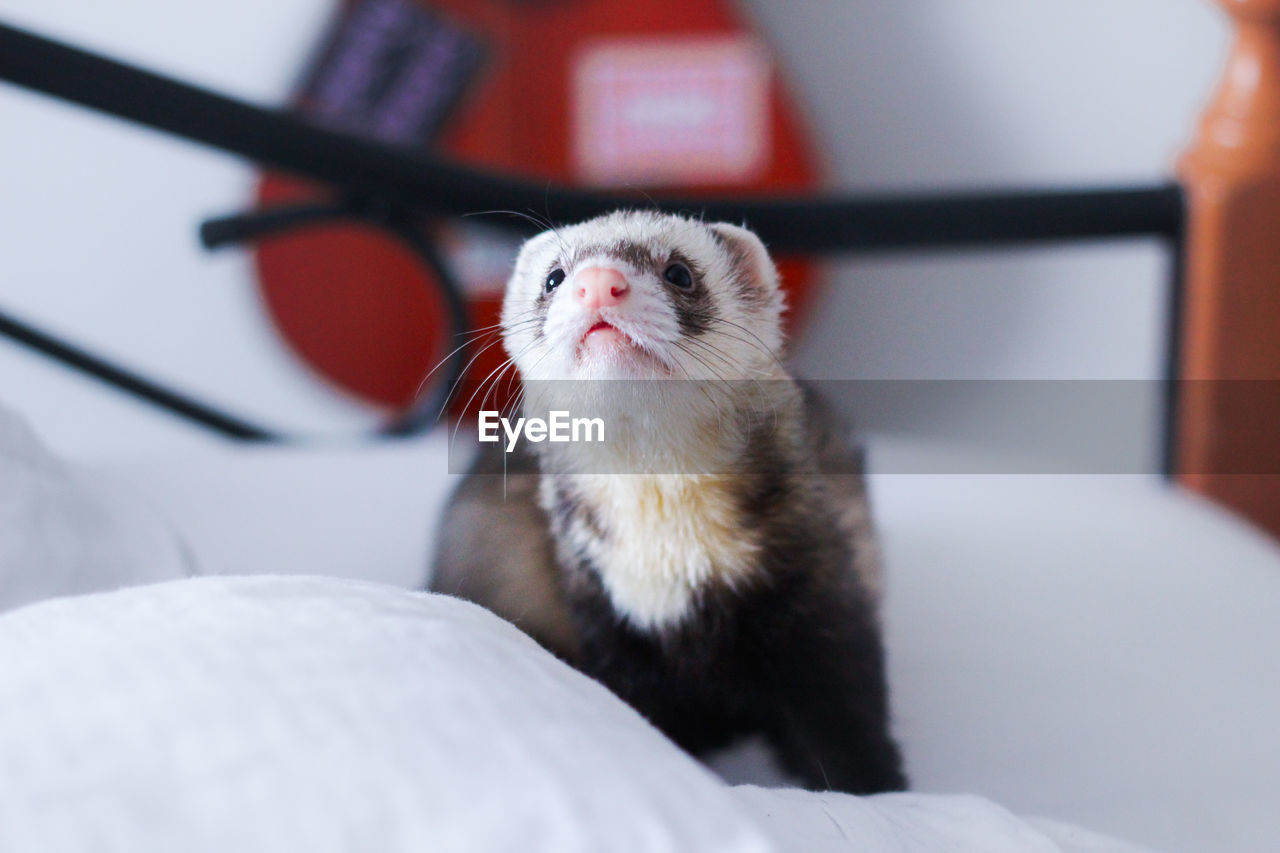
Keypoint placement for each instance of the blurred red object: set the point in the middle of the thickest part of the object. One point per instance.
(671, 95)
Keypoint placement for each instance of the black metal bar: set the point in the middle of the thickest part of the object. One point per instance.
(233, 230)
(130, 382)
(428, 411)
(411, 179)
(425, 411)
(416, 180)
(1175, 321)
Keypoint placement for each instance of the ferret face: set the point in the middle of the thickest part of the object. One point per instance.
(643, 295)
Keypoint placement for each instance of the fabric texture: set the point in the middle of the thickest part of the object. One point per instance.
(270, 714)
(813, 822)
(274, 714)
(65, 532)
(1095, 649)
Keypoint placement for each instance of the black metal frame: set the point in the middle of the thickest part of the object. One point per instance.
(401, 184)
(408, 228)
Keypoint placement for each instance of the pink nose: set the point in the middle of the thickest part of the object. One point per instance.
(600, 287)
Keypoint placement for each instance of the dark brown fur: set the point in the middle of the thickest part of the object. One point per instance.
(765, 622)
(795, 656)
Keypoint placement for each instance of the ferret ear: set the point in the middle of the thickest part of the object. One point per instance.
(749, 257)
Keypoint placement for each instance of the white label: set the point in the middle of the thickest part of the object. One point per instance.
(683, 110)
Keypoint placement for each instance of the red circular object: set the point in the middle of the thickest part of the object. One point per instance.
(354, 301)
(354, 305)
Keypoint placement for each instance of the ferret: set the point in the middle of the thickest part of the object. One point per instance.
(730, 588)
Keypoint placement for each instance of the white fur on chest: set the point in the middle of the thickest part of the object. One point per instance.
(665, 537)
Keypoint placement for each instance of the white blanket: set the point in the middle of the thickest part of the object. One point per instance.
(310, 714)
(273, 714)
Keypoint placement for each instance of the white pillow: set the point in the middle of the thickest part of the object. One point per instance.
(281, 714)
(813, 822)
(62, 532)
(363, 511)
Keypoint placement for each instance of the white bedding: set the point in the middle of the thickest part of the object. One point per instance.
(1093, 649)
(66, 531)
(271, 714)
(322, 715)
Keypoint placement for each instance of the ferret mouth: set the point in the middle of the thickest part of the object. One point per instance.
(605, 343)
(604, 337)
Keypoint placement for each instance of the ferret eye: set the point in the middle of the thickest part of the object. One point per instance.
(554, 280)
(679, 275)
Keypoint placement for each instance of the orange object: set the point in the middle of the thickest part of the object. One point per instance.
(542, 105)
(1228, 446)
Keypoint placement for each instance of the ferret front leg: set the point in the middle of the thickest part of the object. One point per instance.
(832, 726)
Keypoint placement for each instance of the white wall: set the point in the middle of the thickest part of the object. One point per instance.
(987, 93)
(99, 222)
(98, 218)
(1000, 93)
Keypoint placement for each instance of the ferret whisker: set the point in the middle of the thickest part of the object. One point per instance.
(495, 385)
(496, 339)
(471, 337)
(715, 351)
(515, 325)
(653, 202)
(490, 327)
(754, 344)
(474, 339)
(546, 205)
(537, 362)
(755, 341)
(755, 373)
(701, 387)
(683, 346)
(510, 362)
(755, 380)
(511, 407)
(462, 378)
(533, 220)
(763, 346)
(505, 364)
(548, 225)
(532, 217)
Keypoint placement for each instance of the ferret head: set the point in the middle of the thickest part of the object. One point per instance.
(644, 295)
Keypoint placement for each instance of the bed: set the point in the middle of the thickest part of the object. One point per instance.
(228, 649)
(1077, 651)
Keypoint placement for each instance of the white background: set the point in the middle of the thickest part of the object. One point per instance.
(97, 219)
